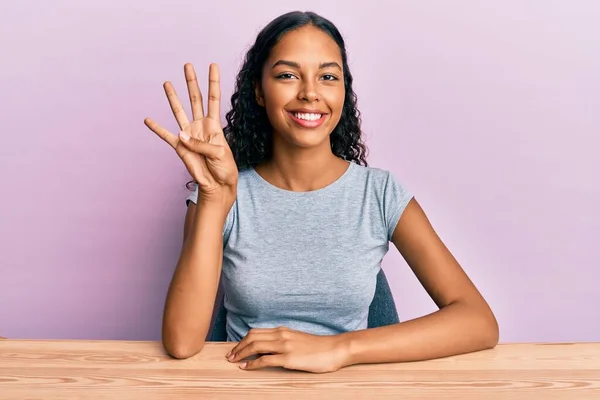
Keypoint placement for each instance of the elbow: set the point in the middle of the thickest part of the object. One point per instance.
(181, 351)
(180, 345)
(490, 338)
(482, 325)
(494, 336)
(490, 330)
(181, 342)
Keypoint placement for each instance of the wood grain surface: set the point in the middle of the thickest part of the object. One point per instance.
(32, 369)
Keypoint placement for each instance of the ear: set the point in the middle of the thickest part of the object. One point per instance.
(258, 95)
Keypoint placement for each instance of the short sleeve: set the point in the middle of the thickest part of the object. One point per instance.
(193, 197)
(395, 199)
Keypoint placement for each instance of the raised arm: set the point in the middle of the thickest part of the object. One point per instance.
(203, 149)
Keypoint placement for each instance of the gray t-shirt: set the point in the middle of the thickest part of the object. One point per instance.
(307, 260)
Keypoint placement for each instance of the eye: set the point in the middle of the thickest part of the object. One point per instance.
(285, 75)
(329, 77)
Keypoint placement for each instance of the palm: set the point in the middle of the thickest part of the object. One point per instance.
(214, 168)
(206, 171)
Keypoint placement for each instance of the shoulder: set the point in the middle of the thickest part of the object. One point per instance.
(385, 190)
(246, 174)
(378, 180)
(247, 182)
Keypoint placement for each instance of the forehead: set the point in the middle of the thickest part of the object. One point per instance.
(307, 44)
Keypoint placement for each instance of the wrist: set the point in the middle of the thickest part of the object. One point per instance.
(344, 345)
(213, 210)
(217, 202)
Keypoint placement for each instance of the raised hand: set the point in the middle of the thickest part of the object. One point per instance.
(201, 144)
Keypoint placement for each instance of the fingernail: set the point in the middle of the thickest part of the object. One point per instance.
(184, 136)
(243, 365)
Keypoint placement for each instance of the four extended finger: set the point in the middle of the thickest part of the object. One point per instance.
(194, 92)
(214, 92)
(176, 106)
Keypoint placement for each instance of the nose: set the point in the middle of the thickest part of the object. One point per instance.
(308, 92)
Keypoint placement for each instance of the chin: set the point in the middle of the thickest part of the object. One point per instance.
(307, 139)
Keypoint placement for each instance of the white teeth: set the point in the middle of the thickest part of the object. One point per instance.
(308, 116)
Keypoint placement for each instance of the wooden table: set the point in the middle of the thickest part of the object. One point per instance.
(119, 370)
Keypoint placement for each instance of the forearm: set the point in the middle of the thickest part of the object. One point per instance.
(192, 292)
(456, 329)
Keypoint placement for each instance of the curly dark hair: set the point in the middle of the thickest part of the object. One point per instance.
(248, 130)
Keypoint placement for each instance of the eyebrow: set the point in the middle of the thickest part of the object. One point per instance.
(294, 64)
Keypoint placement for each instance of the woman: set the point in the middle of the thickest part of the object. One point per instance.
(287, 209)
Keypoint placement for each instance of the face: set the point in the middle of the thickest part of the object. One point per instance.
(302, 88)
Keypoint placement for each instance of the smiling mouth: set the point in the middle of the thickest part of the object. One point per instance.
(307, 116)
(307, 119)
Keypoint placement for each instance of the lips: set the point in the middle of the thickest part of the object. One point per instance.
(307, 118)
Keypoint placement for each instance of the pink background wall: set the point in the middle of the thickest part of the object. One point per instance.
(488, 111)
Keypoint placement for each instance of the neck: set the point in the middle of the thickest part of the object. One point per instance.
(302, 170)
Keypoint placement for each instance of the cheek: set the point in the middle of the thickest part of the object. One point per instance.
(274, 99)
(336, 101)
(273, 108)
(277, 93)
